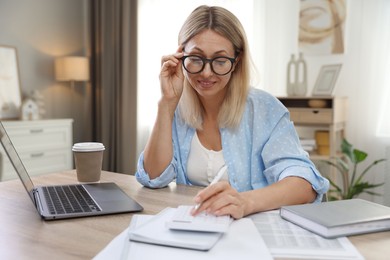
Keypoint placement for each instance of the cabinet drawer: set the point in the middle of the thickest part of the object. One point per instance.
(311, 116)
(38, 162)
(29, 138)
(44, 146)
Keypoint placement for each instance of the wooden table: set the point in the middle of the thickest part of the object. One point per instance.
(24, 235)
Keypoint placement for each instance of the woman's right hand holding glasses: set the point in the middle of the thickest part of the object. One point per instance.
(171, 76)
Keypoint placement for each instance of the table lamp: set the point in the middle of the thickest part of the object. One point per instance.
(72, 68)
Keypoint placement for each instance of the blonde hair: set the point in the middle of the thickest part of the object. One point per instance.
(227, 25)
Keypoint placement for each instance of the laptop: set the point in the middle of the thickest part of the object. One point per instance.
(73, 200)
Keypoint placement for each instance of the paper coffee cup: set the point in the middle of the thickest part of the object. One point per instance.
(88, 160)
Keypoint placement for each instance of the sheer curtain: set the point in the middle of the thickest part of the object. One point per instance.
(373, 67)
(369, 79)
(365, 81)
(383, 66)
(159, 23)
(373, 124)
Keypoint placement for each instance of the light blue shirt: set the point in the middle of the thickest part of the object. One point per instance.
(264, 149)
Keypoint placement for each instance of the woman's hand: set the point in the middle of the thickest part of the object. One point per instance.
(171, 76)
(221, 199)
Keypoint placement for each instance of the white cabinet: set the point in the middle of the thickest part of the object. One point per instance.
(44, 146)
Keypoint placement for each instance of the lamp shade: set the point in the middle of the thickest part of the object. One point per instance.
(72, 68)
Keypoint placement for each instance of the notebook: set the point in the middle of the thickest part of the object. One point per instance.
(156, 232)
(339, 218)
(85, 199)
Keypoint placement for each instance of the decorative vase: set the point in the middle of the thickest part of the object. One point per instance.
(291, 76)
(300, 88)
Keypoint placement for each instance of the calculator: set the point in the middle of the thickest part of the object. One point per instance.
(203, 222)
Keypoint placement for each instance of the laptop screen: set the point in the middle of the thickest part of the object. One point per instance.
(16, 162)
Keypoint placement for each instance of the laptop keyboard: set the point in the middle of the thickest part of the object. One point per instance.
(69, 199)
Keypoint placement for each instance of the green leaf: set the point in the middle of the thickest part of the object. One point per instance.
(346, 148)
(334, 185)
(368, 168)
(373, 193)
(332, 198)
(359, 155)
(344, 165)
(338, 167)
(348, 168)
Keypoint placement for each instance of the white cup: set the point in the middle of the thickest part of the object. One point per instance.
(88, 158)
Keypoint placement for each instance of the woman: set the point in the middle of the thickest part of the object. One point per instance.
(208, 117)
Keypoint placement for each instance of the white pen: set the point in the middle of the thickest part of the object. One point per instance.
(216, 179)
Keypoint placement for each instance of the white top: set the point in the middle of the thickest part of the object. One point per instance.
(203, 164)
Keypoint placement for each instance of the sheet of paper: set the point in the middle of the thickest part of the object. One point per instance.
(285, 239)
(242, 241)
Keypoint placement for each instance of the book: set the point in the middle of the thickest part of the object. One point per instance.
(308, 148)
(339, 218)
(309, 142)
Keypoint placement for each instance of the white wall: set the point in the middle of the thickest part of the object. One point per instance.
(42, 30)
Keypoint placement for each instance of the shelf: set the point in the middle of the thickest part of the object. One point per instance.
(319, 113)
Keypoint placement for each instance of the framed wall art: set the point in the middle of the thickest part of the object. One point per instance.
(326, 80)
(322, 26)
(10, 94)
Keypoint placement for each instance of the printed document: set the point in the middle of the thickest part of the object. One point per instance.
(286, 240)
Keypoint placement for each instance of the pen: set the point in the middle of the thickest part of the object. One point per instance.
(219, 175)
(216, 179)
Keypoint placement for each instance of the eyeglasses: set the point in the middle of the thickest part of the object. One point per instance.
(219, 65)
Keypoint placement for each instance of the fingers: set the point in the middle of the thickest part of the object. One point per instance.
(172, 59)
(219, 199)
(171, 76)
(170, 68)
(205, 195)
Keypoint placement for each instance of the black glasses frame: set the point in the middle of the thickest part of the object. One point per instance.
(205, 61)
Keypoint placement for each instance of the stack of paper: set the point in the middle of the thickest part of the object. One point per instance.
(242, 241)
(308, 145)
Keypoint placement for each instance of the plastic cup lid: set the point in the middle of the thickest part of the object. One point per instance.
(88, 147)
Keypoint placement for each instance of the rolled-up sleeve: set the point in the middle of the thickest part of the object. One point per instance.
(284, 157)
(163, 180)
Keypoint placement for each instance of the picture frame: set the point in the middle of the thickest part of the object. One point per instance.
(326, 80)
(10, 91)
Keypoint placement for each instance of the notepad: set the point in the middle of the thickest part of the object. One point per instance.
(156, 232)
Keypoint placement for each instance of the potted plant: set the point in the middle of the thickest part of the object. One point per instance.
(352, 181)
